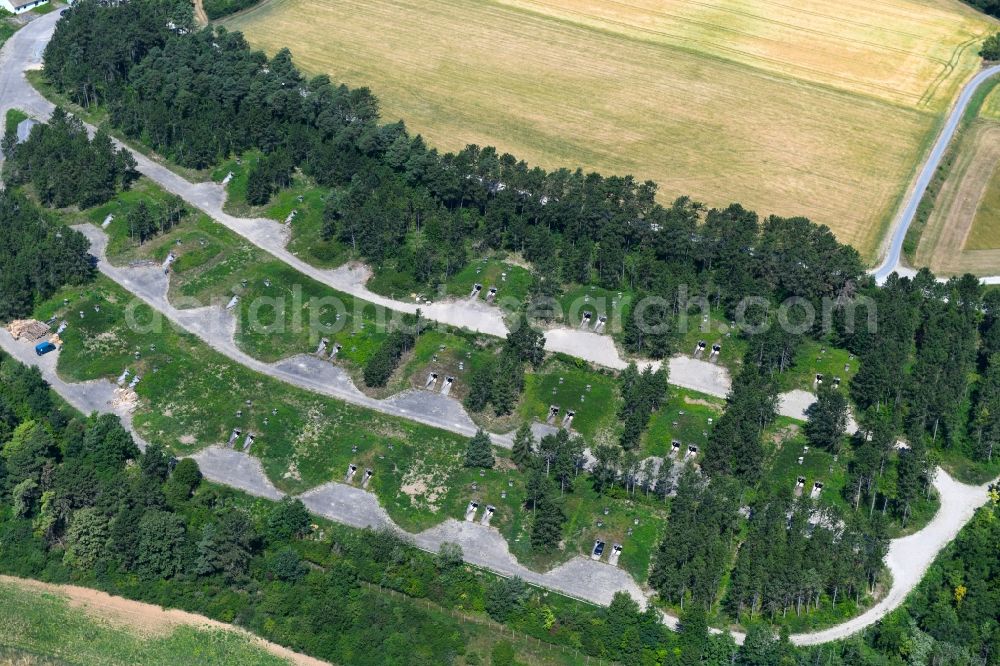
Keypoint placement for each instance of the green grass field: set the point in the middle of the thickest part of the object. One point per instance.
(46, 8)
(600, 302)
(985, 233)
(686, 417)
(7, 28)
(593, 396)
(189, 401)
(991, 105)
(511, 280)
(815, 358)
(41, 626)
(14, 116)
(808, 108)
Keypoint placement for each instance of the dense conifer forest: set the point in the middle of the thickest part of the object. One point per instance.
(81, 503)
(991, 7)
(64, 166)
(36, 258)
(198, 97)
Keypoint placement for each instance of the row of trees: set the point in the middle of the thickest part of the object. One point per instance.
(695, 552)
(984, 418)
(198, 97)
(795, 554)
(267, 175)
(735, 445)
(950, 619)
(497, 381)
(552, 466)
(148, 218)
(930, 353)
(64, 166)
(384, 360)
(642, 394)
(991, 7)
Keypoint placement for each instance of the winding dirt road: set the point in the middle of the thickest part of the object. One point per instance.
(200, 17)
(24, 51)
(908, 558)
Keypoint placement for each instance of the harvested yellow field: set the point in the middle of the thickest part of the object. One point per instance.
(963, 231)
(795, 108)
(962, 234)
(903, 51)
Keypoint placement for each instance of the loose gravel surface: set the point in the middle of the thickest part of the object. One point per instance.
(908, 557)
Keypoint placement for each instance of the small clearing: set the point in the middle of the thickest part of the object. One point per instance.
(146, 619)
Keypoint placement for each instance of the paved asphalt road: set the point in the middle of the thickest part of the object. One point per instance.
(892, 261)
(908, 558)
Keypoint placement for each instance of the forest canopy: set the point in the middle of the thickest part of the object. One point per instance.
(929, 371)
(37, 257)
(66, 167)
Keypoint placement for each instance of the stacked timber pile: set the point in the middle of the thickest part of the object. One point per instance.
(125, 398)
(29, 329)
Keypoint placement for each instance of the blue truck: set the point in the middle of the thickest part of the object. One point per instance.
(43, 348)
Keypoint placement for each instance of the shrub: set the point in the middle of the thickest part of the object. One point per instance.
(991, 48)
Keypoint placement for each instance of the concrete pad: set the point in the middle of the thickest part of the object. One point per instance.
(236, 469)
(347, 505)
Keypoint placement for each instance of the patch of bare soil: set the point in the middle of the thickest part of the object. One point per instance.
(421, 486)
(490, 422)
(504, 465)
(688, 400)
(146, 618)
(785, 434)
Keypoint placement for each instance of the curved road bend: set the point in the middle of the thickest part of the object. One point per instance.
(893, 258)
(24, 51)
(580, 577)
(908, 558)
(216, 327)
